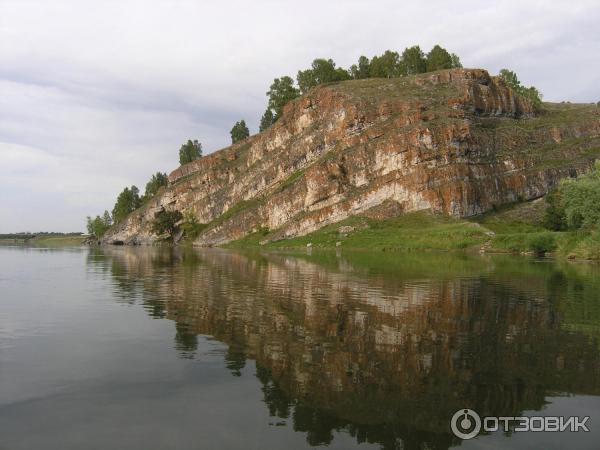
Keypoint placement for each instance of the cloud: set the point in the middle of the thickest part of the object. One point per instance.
(95, 96)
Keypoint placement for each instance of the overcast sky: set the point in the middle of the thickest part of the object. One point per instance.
(98, 95)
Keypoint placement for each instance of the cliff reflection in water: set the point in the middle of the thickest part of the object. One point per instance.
(387, 347)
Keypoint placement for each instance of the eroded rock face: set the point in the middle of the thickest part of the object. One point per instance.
(456, 142)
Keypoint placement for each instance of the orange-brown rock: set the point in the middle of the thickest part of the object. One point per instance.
(455, 142)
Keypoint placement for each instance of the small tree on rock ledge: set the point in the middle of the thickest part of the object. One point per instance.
(165, 222)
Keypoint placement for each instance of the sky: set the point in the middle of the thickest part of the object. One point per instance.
(99, 95)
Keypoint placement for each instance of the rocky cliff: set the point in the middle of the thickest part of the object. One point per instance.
(455, 142)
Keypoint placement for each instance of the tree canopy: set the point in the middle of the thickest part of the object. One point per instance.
(266, 120)
(362, 69)
(390, 64)
(321, 71)
(127, 201)
(99, 225)
(239, 132)
(158, 180)
(166, 222)
(190, 151)
(575, 203)
(282, 90)
(438, 58)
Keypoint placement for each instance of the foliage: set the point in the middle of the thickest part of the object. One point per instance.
(554, 216)
(282, 90)
(531, 93)
(321, 71)
(387, 65)
(158, 180)
(361, 70)
(190, 151)
(576, 203)
(191, 226)
(239, 132)
(439, 58)
(99, 225)
(413, 61)
(127, 201)
(165, 222)
(266, 120)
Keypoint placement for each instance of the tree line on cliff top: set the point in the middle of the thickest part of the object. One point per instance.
(390, 64)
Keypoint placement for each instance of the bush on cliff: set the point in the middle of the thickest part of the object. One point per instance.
(239, 132)
(531, 93)
(191, 226)
(157, 181)
(190, 151)
(166, 222)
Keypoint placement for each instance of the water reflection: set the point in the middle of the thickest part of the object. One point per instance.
(385, 347)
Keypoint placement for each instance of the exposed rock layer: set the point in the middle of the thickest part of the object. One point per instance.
(456, 142)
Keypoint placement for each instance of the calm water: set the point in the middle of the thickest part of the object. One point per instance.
(147, 348)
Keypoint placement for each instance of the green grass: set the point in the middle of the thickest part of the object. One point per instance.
(59, 240)
(235, 209)
(414, 231)
(289, 181)
(514, 228)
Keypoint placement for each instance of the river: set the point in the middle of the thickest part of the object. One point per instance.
(167, 348)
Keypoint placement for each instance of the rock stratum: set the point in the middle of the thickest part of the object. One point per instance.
(457, 142)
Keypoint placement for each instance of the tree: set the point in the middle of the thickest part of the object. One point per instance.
(455, 60)
(239, 132)
(362, 69)
(576, 203)
(413, 60)
(321, 71)
(510, 78)
(190, 151)
(99, 225)
(127, 201)
(166, 222)
(282, 90)
(386, 66)
(157, 181)
(531, 93)
(438, 58)
(266, 120)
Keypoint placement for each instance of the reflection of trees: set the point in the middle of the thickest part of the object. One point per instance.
(377, 347)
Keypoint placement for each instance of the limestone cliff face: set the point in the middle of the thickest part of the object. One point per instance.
(456, 142)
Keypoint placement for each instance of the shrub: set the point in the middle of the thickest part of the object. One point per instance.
(165, 222)
(575, 203)
(541, 243)
(191, 226)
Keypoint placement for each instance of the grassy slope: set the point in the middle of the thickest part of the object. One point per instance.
(514, 228)
(415, 231)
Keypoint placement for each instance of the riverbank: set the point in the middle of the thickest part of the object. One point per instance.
(45, 240)
(513, 229)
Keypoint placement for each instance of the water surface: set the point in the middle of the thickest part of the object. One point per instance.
(160, 348)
